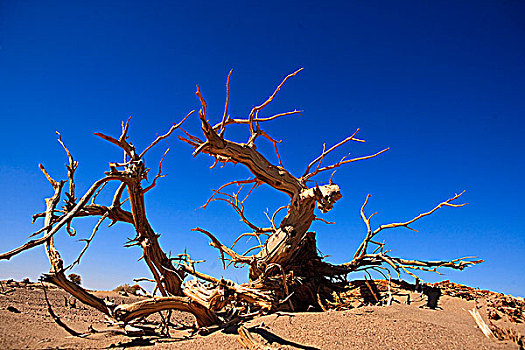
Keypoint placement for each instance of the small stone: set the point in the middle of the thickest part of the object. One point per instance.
(13, 309)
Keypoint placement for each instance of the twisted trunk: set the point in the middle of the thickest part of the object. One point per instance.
(168, 278)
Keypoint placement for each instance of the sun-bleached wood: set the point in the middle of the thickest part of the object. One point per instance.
(286, 271)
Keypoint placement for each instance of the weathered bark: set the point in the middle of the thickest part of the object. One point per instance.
(128, 312)
(56, 272)
(289, 245)
(286, 273)
(60, 280)
(281, 244)
(168, 280)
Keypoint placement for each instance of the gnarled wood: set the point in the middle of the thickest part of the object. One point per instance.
(286, 273)
(128, 312)
(289, 244)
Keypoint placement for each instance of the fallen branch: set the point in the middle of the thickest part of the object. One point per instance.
(481, 324)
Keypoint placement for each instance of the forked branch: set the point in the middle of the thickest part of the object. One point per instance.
(364, 259)
(224, 249)
(309, 174)
(64, 219)
(371, 234)
(166, 135)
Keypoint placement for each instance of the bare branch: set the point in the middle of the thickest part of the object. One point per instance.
(118, 194)
(193, 140)
(225, 115)
(88, 241)
(253, 234)
(125, 126)
(275, 213)
(406, 223)
(236, 182)
(343, 161)
(238, 206)
(272, 96)
(325, 152)
(70, 201)
(362, 247)
(253, 248)
(457, 264)
(33, 243)
(48, 177)
(143, 279)
(60, 280)
(275, 142)
(128, 312)
(162, 137)
(156, 274)
(94, 198)
(362, 258)
(317, 218)
(253, 116)
(230, 121)
(159, 173)
(121, 142)
(370, 234)
(71, 168)
(224, 249)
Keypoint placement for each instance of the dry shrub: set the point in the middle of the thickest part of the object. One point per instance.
(128, 289)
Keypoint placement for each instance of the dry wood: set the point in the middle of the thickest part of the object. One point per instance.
(286, 272)
(248, 340)
(481, 324)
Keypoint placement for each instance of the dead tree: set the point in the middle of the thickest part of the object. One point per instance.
(288, 263)
(286, 273)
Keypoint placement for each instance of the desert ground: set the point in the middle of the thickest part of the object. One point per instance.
(25, 323)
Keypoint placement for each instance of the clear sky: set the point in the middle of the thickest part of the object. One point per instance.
(440, 82)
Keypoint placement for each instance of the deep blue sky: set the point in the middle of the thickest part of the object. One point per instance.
(440, 82)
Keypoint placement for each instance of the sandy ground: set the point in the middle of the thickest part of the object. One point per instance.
(399, 326)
